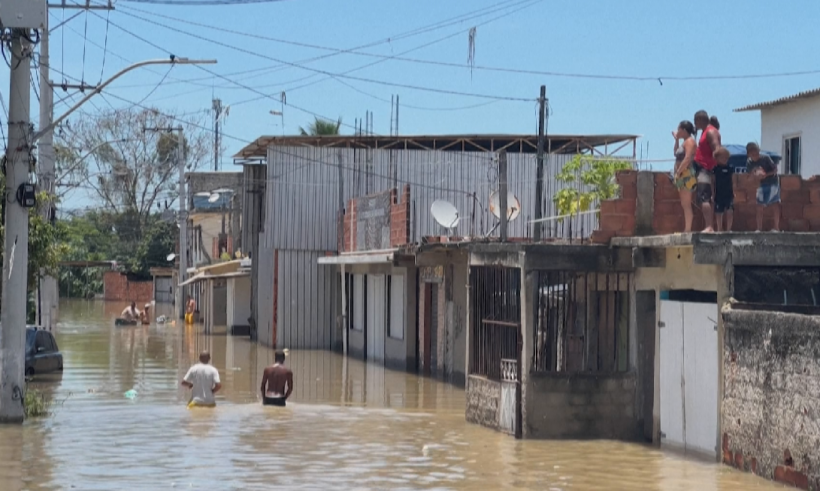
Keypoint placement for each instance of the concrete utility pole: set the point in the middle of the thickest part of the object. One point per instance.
(217, 107)
(15, 242)
(539, 168)
(47, 287)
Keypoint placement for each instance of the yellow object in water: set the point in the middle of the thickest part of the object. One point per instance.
(193, 404)
(189, 318)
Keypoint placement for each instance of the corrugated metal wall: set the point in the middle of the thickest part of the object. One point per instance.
(306, 186)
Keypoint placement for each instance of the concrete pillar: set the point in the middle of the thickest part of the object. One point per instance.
(528, 321)
(645, 204)
(725, 291)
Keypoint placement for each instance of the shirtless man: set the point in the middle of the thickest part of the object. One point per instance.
(274, 380)
(189, 311)
(131, 313)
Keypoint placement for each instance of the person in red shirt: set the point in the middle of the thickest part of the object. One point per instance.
(705, 162)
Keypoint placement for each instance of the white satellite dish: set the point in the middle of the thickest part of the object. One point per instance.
(203, 194)
(445, 214)
(513, 206)
(213, 198)
(171, 256)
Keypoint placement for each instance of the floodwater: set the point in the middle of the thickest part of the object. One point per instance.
(350, 426)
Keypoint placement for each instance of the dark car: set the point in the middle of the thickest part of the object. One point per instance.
(42, 353)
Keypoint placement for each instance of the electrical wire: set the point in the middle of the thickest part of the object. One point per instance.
(318, 71)
(105, 44)
(156, 86)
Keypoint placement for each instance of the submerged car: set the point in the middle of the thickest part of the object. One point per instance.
(42, 353)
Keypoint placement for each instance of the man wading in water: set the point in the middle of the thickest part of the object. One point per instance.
(274, 380)
(203, 380)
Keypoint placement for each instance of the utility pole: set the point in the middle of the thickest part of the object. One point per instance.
(502, 194)
(217, 107)
(183, 214)
(539, 168)
(47, 287)
(18, 162)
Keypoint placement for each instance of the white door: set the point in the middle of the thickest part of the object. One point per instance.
(358, 302)
(700, 370)
(376, 321)
(689, 376)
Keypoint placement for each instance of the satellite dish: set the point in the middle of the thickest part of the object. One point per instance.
(445, 214)
(171, 256)
(213, 198)
(513, 206)
(203, 194)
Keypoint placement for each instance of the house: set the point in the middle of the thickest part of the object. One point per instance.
(214, 215)
(339, 261)
(790, 126)
(224, 291)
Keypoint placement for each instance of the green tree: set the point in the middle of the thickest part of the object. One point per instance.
(321, 127)
(589, 180)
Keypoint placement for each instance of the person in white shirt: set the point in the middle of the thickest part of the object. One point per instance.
(203, 380)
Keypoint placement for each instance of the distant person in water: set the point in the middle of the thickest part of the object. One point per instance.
(203, 380)
(190, 308)
(277, 382)
(131, 313)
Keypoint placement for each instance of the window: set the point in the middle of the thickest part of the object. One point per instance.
(791, 155)
(43, 342)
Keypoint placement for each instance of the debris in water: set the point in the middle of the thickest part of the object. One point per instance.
(131, 394)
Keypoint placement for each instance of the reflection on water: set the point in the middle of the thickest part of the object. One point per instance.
(351, 426)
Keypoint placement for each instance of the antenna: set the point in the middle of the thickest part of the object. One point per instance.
(513, 209)
(445, 214)
(513, 206)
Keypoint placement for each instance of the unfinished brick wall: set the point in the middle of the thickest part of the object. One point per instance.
(618, 215)
(800, 207)
(117, 287)
(771, 400)
(399, 221)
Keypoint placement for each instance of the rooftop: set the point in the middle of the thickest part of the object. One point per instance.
(559, 144)
(783, 100)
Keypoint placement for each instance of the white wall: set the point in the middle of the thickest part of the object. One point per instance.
(800, 117)
(239, 301)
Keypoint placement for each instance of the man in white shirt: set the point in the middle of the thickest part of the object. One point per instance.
(203, 380)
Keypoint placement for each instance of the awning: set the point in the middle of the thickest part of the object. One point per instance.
(193, 279)
(204, 277)
(362, 258)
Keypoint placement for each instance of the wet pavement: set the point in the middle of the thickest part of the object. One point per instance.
(350, 426)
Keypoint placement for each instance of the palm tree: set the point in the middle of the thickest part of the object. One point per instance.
(321, 127)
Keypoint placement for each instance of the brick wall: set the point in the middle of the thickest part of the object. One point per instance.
(117, 287)
(399, 221)
(581, 405)
(771, 400)
(483, 402)
(800, 206)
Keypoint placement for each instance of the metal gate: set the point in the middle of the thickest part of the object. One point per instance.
(689, 377)
(163, 289)
(496, 338)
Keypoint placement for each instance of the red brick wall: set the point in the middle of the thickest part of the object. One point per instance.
(618, 215)
(399, 221)
(800, 207)
(118, 288)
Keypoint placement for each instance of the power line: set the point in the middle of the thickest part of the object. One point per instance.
(315, 70)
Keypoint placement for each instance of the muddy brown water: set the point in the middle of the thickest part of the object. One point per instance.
(350, 426)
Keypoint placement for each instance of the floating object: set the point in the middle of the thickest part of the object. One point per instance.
(125, 322)
(161, 319)
(130, 394)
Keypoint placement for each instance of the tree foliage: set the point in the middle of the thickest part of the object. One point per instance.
(126, 167)
(321, 127)
(589, 180)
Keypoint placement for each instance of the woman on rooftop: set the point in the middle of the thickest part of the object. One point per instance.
(684, 173)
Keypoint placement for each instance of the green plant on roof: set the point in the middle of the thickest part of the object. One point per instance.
(587, 180)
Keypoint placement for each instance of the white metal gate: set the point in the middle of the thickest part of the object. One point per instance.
(509, 384)
(689, 376)
(376, 316)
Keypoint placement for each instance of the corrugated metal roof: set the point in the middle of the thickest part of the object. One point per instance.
(783, 100)
(564, 144)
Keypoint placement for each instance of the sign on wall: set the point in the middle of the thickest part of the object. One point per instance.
(373, 222)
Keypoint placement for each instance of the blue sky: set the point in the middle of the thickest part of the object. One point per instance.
(627, 38)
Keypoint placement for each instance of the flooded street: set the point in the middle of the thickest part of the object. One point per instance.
(350, 426)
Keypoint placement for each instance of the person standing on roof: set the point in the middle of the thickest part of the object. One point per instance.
(705, 162)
